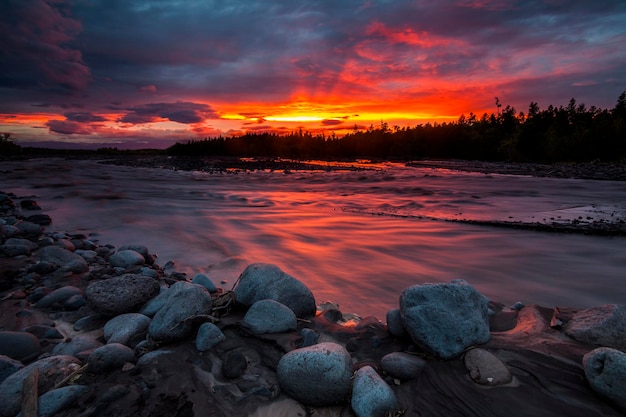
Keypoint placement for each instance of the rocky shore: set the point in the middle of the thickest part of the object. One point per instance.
(90, 329)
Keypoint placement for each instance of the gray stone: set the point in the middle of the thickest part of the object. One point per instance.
(603, 325)
(126, 327)
(8, 367)
(394, 323)
(21, 242)
(88, 255)
(155, 304)
(402, 365)
(127, 258)
(110, 356)
(486, 369)
(64, 259)
(13, 251)
(51, 369)
(234, 365)
(8, 230)
(605, 369)
(141, 249)
(29, 229)
(75, 302)
(205, 281)
(75, 345)
(309, 337)
(58, 296)
(55, 401)
(123, 294)
(149, 272)
(21, 346)
(269, 316)
(317, 375)
(371, 396)
(208, 336)
(172, 322)
(65, 244)
(152, 358)
(445, 319)
(265, 281)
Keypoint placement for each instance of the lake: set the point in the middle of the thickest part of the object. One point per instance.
(355, 237)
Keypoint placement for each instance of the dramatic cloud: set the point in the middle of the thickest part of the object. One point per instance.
(103, 66)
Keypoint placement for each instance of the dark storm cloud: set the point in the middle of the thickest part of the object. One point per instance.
(181, 112)
(68, 127)
(36, 40)
(83, 117)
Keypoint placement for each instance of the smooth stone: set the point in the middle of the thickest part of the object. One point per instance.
(127, 258)
(8, 367)
(317, 375)
(90, 322)
(125, 327)
(141, 249)
(51, 369)
(602, 326)
(119, 295)
(88, 255)
(309, 337)
(21, 346)
(486, 369)
(266, 281)
(29, 229)
(110, 356)
(402, 365)
(66, 260)
(161, 299)
(58, 296)
(75, 345)
(205, 281)
(171, 322)
(41, 331)
(371, 396)
(75, 302)
(208, 336)
(269, 316)
(445, 319)
(53, 402)
(21, 242)
(43, 267)
(13, 251)
(394, 323)
(605, 369)
(149, 272)
(151, 358)
(65, 244)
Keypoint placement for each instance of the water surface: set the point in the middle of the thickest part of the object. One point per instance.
(354, 237)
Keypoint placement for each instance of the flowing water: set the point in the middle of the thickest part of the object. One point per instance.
(357, 238)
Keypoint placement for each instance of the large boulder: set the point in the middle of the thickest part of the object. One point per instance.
(445, 319)
(605, 369)
(269, 316)
(51, 370)
(603, 325)
(126, 328)
(265, 281)
(123, 294)
(371, 396)
(64, 259)
(174, 321)
(165, 293)
(317, 375)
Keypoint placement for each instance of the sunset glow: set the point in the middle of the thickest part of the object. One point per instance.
(133, 73)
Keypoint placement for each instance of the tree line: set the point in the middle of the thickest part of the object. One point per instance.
(572, 133)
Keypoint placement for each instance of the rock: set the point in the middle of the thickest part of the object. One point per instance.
(371, 396)
(269, 316)
(445, 319)
(13, 251)
(53, 402)
(208, 336)
(309, 337)
(402, 365)
(126, 259)
(603, 325)
(126, 327)
(155, 304)
(29, 229)
(58, 296)
(65, 244)
(29, 204)
(75, 345)
(171, 322)
(8, 367)
(21, 242)
(317, 375)
(123, 294)
(51, 369)
(141, 249)
(21, 346)
(63, 258)
(205, 281)
(486, 369)
(234, 365)
(265, 281)
(394, 323)
(41, 331)
(8, 230)
(75, 302)
(605, 369)
(110, 356)
(88, 255)
(90, 322)
(149, 272)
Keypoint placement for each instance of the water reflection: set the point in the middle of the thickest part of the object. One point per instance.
(354, 237)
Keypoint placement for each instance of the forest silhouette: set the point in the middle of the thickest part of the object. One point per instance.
(572, 133)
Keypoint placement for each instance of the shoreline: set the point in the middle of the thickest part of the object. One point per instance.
(530, 341)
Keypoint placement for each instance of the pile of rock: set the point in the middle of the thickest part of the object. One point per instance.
(76, 312)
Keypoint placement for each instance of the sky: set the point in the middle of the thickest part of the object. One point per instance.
(147, 74)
